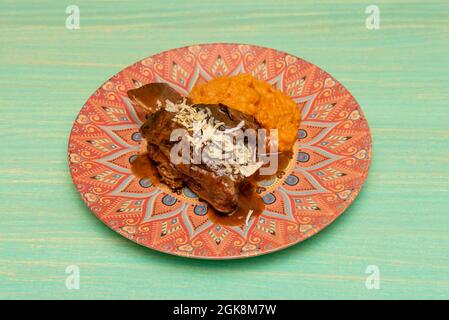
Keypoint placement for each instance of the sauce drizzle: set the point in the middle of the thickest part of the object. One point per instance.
(250, 202)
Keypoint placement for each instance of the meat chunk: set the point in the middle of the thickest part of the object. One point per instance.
(149, 96)
(167, 171)
(220, 191)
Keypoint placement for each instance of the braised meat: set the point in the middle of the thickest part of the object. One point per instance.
(149, 96)
(220, 190)
(222, 183)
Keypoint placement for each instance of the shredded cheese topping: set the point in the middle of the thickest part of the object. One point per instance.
(218, 147)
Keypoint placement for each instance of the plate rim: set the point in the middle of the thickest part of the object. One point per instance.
(364, 177)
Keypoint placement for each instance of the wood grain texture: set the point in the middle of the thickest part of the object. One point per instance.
(399, 75)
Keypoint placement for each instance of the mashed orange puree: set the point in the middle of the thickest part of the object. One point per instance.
(271, 108)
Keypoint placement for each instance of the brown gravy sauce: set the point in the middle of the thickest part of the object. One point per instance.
(142, 167)
(147, 96)
(284, 159)
(249, 199)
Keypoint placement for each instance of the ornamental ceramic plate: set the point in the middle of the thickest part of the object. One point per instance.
(330, 162)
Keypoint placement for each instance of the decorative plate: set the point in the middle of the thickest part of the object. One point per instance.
(330, 164)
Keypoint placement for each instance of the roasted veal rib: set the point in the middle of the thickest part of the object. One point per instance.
(219, 190)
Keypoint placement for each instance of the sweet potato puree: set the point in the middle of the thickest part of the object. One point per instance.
(271, 108)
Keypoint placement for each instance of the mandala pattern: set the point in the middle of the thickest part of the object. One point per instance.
(332, 156)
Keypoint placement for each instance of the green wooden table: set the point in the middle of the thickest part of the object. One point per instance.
(399, 74)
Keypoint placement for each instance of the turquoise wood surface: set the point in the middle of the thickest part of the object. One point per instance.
(399, 74)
